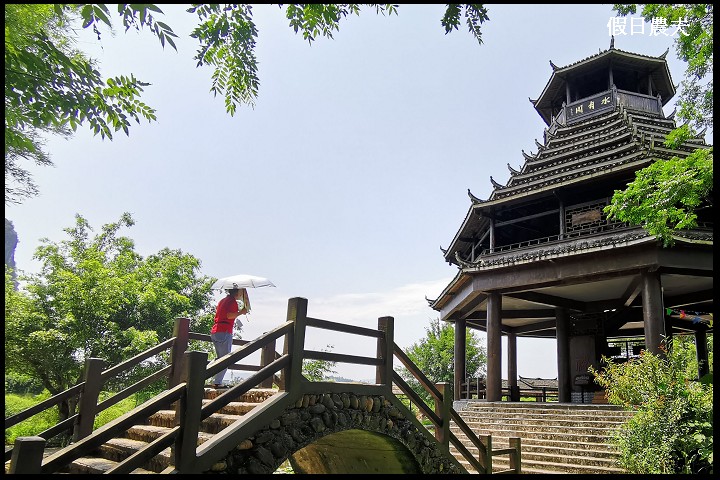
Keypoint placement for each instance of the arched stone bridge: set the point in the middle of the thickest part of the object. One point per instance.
(340, 433)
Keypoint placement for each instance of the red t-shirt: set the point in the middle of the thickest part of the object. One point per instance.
(222, 323)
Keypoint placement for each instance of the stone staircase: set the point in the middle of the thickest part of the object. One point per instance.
(118, 449)
(555, 437)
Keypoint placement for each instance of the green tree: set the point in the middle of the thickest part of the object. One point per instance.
(434, 356)
(52, 88)
(665, 196)
(319, 370)
(672, 429)
(97, 297)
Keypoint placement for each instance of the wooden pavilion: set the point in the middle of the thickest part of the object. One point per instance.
(539, 258)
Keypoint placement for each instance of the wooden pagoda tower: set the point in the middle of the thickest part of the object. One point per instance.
(540, 259)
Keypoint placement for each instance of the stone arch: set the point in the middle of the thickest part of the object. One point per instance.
(328, 424)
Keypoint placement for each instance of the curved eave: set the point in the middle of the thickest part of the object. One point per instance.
(641, 161)
(556, 85)
(472, 222)
(450, 290)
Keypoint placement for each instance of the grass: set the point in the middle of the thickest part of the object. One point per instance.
(40, 422)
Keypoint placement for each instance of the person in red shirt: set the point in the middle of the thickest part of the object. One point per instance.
(222, 331)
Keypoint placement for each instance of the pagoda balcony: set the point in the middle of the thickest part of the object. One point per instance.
(604, 235)
(598, 103)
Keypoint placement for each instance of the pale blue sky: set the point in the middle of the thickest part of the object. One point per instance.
(347, 177)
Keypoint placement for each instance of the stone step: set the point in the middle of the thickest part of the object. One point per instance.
(512, 414)
(577, 436)
(560, 408)
(555, 438)
(550, 455)
(539, 467)
(159, 423)
(554, 422)
(561, 447)
(94, 466)
(118, 449)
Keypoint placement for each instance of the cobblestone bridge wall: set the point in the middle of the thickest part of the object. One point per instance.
(315, 416)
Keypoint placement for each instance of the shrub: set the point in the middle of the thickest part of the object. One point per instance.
(672, 431)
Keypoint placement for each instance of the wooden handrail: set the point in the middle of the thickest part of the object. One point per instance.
(187, 394)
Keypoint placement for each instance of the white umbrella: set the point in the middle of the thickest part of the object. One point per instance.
(241, 281)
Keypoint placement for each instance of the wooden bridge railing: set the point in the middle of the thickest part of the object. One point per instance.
(187, 373)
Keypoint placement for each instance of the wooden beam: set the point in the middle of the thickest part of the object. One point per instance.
(533, 313)
(536, 327)
(551, 300)
(632, 291)
(689, 299)
(527, 217)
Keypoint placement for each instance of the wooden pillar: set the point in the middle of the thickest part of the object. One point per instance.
(653, 313)
(442, 410)
(512, 367)
(181, 332)
(385, 350)
(568, 100)
(562, 340)
(494, 347)
(190, 413)
(87, 409)
(267, 356)
(701, 351)
(562, 219)
(492, 234)
(459, 356)
(27, 455)
(295, 342)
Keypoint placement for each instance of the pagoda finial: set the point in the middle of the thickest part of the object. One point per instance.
(554, 67)
(665, 54)
(475, 200)
(612, 42)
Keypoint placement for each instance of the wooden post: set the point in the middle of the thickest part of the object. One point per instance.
(494, 347)
(295, 341)
(87, 407)
(27, 455)
(487, 461)
(385, 351)
(701, 352)
(181, 333)
(515, 457)
(442, 409)
(190, 412)
(267, 356)
(653, 313)
(459, 355)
